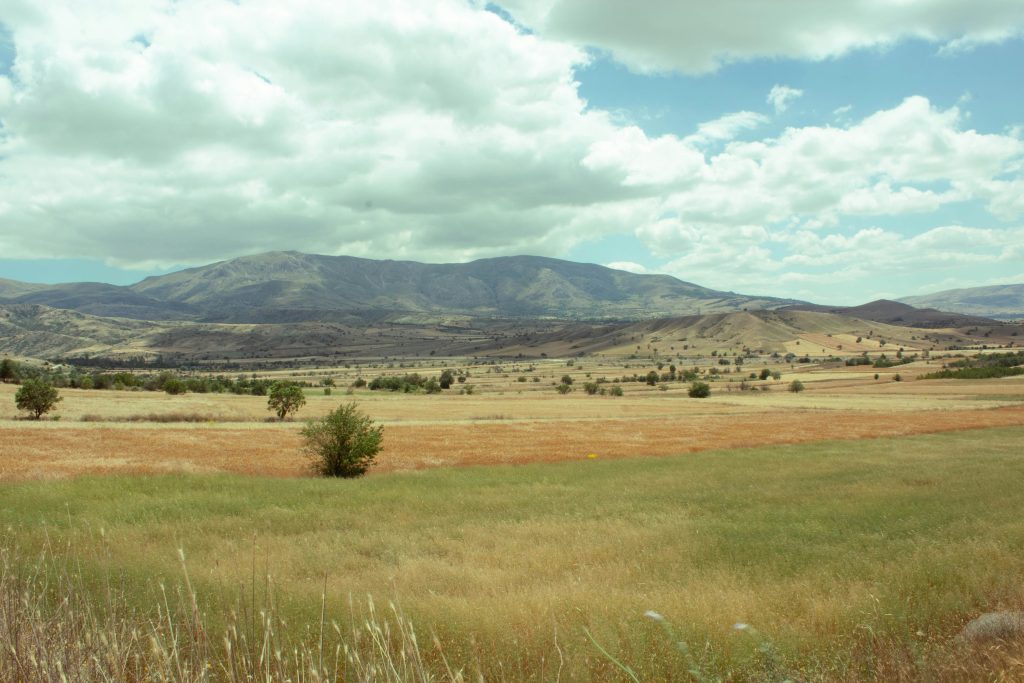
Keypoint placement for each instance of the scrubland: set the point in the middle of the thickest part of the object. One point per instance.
(850, 530)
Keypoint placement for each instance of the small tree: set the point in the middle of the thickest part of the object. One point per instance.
(616, 390)
(343, 443)
(284, 398)
(699, 390)
(566, 379)
(447, 377)
(652, 378)
(8, 371)
(796, 386)
(563, 388)
(37, 397)
(591, 388)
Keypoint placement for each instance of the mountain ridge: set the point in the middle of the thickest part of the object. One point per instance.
(292, 286)
(994, 301)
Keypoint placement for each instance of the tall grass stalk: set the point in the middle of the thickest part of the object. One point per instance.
(53, 630)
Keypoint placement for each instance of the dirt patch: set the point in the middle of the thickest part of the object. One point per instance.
(33, 453)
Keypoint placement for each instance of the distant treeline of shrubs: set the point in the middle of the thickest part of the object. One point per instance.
(983, 366)
(882, 361)
(167, 381)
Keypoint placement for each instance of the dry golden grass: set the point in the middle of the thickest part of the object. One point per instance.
(31, 450)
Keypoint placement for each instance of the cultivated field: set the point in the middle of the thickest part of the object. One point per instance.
(856, 526)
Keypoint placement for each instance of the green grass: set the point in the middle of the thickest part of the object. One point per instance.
(850, 557)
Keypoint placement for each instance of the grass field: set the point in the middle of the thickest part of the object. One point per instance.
(854, 560)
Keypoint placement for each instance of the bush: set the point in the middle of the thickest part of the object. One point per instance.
(343, 443)
(796, 386)
(285, 398)
(591, 388)
(174, 386)
(36, 397)
(8, 371)
(616, 391)
(563, 388)
(567, 380)
(699, 390)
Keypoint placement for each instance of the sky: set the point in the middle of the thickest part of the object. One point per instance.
(832, 152)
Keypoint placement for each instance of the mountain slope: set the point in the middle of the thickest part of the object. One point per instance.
(997, 301)
(280, 286)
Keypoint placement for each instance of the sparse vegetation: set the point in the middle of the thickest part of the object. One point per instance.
(36, 397)
(343, 443)
(285, 398)
(699, 390)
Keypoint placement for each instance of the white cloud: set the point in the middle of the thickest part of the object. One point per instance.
(627, 266)
(435, 132)
(726, 127)
(781, 95)
(697, 37)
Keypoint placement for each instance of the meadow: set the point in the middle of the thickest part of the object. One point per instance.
(851, 530)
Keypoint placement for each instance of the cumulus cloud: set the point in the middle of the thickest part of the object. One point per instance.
(183, 132)
(698, 37)
(781, 95)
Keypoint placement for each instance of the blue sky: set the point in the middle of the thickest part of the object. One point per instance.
(831, 152)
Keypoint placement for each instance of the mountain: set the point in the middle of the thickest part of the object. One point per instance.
(282, 287)
(997, 301)
(897, 313)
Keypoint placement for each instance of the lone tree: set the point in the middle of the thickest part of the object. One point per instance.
(285, 398)
(343, 443)
(37, 397)
(796, 386)
(447, 377)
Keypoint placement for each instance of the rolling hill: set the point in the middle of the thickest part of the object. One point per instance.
(897, 313)
(998, 301)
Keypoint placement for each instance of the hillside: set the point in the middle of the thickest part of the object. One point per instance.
(897, 313)
(997, 301)
(288, 286)
(281, 287)
(42, 332)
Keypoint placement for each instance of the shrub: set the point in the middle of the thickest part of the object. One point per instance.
(285, 398)
(563, 388)
(616, 391)
(8, 371)
(591, 388)
(343, 443)
(796, 386)
(446, 379)
(765, 374)
(567, 380)
(36, 397)
(651, 378)
(699, 390)
(172, 386)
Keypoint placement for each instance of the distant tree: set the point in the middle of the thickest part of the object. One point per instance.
(699, 390)
(566, 379)
(616, 390)
(796, 386)
(563, 388)
(652, 378)
(8, 371)
(447, 377)
(36, 397)
(765, 373)
(591, 388)
(174, 386)
(343, 443)
(284, 398)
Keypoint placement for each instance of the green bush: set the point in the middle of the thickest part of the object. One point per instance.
(616, 390)
(285, 398)
(796, 386)
(36, 397)
(8, 371)
(343, 443)
(699, 390)
(591, 388)
(563, 388)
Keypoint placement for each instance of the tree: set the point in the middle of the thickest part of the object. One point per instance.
(652, 378)
(591, 388)
(566, 379)
(343, 443)
(765, 373)
(447, 377)
(285, 398)
(796, 386)
(563, 388)
(37, 397)
(699, 390)
(8, 371)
